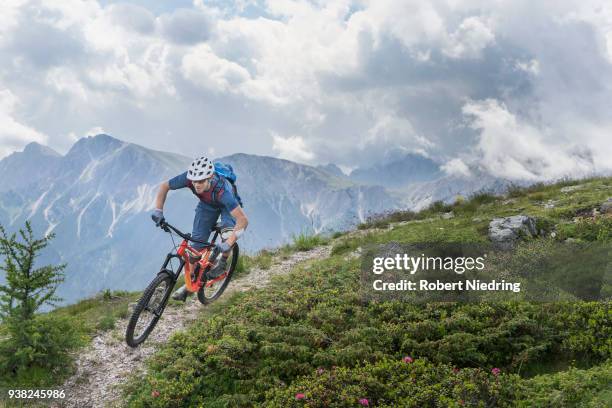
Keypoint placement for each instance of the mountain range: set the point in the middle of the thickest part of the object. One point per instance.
(97, 199)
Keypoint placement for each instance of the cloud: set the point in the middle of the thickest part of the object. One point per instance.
(397, 131)
(94, 131)
(531, 66)
(291, 148)
(354, 79)
(205, 69)
(515, 149)
(468, 41)
(185, 26)
(132, 17)
(14, 134)
(456, 167)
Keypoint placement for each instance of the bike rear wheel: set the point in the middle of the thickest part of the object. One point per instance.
(208, 294)
(149, 309)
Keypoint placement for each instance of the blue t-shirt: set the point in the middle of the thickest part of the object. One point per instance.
(221, 193)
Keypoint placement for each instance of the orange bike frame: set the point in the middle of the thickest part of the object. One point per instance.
(190, 285)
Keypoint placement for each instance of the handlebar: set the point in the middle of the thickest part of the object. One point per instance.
(167, 227)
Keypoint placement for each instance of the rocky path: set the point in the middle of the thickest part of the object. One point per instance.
(108, 361)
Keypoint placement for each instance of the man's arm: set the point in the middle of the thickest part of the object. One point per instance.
(241, 224)
(162, 193)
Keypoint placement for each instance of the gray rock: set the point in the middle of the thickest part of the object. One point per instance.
(550, 204)
(505, 232)
(448, 215)
(606, 206)
(569, 189)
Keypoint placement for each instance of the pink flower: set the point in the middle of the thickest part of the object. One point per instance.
(155, 393)
(408, 359)
(320, 371)
(364, 402)
(299, 396)
(495, 371)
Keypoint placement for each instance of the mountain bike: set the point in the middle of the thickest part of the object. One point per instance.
(154, 299)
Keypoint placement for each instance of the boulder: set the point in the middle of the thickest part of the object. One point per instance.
(569, 189)
(448, 215)
(504, 232)
(606, 206)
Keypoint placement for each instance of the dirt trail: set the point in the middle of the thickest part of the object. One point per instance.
(108, 361)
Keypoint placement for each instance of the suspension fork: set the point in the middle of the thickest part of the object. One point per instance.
(169, 257)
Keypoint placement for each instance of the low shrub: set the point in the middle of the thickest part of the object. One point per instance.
(338, 234)
(397, 383)
(544, 225)
(437, 207)
(483, 197)
(571, 388)
(305, 242)
(588, 229)
(269, 339)
(31, 366)
(107, 322)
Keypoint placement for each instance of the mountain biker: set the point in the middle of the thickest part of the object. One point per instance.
(217, 198)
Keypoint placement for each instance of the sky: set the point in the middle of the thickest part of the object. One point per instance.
(520, 89)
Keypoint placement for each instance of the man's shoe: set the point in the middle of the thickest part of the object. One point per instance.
(181, 294)
(218, 270)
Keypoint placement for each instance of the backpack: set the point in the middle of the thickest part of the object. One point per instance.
(227, 172)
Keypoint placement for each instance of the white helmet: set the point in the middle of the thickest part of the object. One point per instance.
(200, 169)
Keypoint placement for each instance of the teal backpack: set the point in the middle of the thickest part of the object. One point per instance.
(226, 171)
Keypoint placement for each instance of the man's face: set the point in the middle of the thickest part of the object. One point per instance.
(202, 185)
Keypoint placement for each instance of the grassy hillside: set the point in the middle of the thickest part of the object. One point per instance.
(79, 322)
(310, 338)
(68, 329)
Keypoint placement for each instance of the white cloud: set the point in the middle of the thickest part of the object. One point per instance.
(204, 68)
(392, 130)
(9, 15)
(186, 26)
(132, 17)
(13, 133)
(456, 167)
(468, 41)
(514, 149)
(94, 131)
(291, 148)
(355, 79)
(532, 66)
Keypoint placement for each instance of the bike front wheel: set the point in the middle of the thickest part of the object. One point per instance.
(149, 309)
(211, 292)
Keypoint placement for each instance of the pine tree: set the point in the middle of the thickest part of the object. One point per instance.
(27, 288)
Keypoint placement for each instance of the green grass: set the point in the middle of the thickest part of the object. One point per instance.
(305, 242)
(99, 312)
(312, 332)
(261, 346)
(263, 260)
(79, 322)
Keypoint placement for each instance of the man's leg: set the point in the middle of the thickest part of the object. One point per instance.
(227, 225)
(203, 222)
